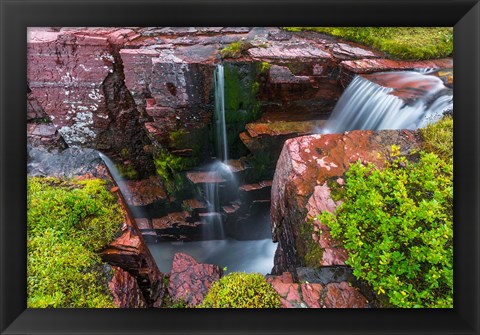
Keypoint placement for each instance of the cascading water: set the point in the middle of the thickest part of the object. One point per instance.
(367, 105)
(221, 129)
(214, 222)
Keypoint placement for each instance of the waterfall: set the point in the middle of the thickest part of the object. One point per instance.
(219, 83)
(368, 105)
(117, 178)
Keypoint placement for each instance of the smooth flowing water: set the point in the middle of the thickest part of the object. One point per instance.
(245, 256)
(221, 129)
(367, 105)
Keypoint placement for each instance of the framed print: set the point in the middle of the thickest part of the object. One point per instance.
(228, 160)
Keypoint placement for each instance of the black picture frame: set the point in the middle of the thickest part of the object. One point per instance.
(17, 15)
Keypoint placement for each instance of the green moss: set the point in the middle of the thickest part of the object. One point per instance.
(68, 223)
(400, 42)
(241, 104)
(438, 138)
(168, 165)
(307, 247)
(241, 290)
(235, 49)
(127, 171)
(264, 67)
(336, 190)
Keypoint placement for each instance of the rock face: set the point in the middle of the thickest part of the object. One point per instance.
(130, 252)
(315, 295)
(300, 190)
(125, 290)
(191, 281)
(76, 77)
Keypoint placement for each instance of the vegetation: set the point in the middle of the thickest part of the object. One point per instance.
(235, 49)
(68, 223)
(397, 226)
(241, 290)
(438, 138)
(400, 42)
(127, 171)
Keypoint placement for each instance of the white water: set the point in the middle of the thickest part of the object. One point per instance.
(366, 105)
(219, 82)
(245, 256)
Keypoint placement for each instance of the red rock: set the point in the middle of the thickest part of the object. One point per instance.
(144, 192)
(34, 109)
(299, 189)
(297, 51)
(341, 295)
(352, 67)
(125, 290)
(293, 295)
(204, 177)
(130, 252)
(409, 86)
(191, 281)
(261, 137)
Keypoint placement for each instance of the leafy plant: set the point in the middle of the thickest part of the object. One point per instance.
(241, 290)
(397, 226)
(68, 223)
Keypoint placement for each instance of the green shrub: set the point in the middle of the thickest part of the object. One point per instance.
(438, 138)
(397, 226)
(400, 42)
(68, 223)
(241, 290)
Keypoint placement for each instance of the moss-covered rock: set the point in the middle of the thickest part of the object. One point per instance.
(68, 223)
(241, 290)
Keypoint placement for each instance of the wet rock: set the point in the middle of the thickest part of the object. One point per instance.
(34, 109)
(409, 89)
(300, 188)
(342, 295)
(297, 51)
(190, 281)
(293, 295)
(130, 252)
(258, 191)
(144, 192)
(269, 137)
(45, 136)
(125, 290)
(205, 177)
(325, 275)
(68, 163)
(76, 77)
(348, 69)
(316, 295)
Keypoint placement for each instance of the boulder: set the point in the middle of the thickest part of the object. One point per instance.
(301, 191)
(190, 281)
